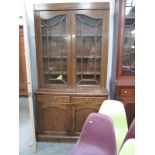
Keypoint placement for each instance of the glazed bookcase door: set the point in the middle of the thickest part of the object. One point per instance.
(89, 50)
(54, 48)
(128, 62)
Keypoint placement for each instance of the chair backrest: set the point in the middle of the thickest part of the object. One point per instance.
(128, 148)
(131, 132)
(115, 110)
(98, 131)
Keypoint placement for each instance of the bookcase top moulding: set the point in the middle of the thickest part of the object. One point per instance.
(72, 6)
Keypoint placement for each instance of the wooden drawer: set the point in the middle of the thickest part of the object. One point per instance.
(127, 92)
(87, 100)
(53, 99)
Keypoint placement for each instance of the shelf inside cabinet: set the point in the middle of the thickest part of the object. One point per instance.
(131, 50)
(55, 73)
(55, 57)
(88, 57)
(54, 35)
(128, 67)
(88, 35)
(129, 17)
(88, 73)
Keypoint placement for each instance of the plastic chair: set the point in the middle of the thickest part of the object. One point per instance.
(97, 137)
(128, 148)
(115, 110)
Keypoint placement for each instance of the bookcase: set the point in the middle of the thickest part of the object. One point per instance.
(72, 53)
(123, 78)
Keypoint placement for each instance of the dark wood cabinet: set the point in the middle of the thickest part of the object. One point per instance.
(22, 65)
(72, 53)
(123, 78)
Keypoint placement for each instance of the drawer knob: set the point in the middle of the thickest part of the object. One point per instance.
(125, 91)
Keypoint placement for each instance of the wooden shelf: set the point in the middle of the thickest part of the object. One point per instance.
(88, 35)
(55, 73)
(129, 50)
(78, 73)
(63, 35)
(88, 73)
(127, 67)
(88, 57)
(55, 57)
(77, 35)
(129, 17)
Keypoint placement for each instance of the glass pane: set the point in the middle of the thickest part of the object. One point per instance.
(54, 50)
(128, 68)
(88, 50)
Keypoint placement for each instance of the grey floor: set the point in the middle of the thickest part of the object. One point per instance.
(50, 148)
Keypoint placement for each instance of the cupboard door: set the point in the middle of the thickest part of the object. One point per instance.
(53, 48)
(54, 119)
(89, 39)
(81, 112)
(81, 108)
(130, 109)
(128, 62)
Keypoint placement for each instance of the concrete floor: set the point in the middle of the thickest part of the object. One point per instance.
(50, 148)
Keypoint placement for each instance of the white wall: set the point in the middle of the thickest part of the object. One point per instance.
(30, 20)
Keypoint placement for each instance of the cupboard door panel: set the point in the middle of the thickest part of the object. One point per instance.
(88, 38)
(130, 112)
(53, 48)
(128, 62)
(81, 113)
(129, 105)
(55, 119)
(130, 109)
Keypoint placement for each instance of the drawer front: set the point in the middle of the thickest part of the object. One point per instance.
(53, 99)
(127, 92)
(88, 100)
